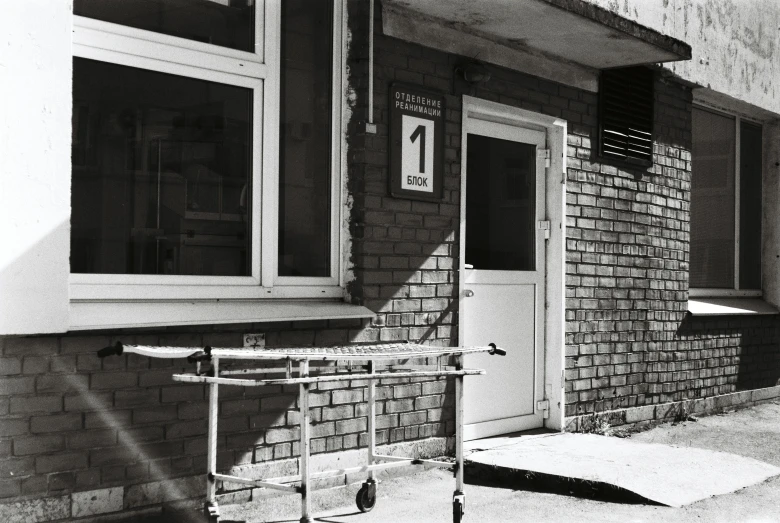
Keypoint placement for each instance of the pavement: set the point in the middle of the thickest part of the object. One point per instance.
(426, 495)
(667, 474)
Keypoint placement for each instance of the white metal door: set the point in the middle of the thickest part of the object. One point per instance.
(503, 271)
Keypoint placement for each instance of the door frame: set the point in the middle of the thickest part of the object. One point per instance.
(555, 200)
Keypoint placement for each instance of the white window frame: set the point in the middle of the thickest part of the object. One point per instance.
(734, 292)
(259, 71)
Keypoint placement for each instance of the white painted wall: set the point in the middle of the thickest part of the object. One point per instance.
(735, 43)
(35, 133)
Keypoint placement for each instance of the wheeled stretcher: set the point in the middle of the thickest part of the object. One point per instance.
(308, 365)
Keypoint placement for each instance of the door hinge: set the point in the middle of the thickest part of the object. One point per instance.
(544, 406)
(544, 154)
(544, 226)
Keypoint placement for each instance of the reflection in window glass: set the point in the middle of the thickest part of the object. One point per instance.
(712, 200)
(161, 173)
(500, 204)
(227, 23)
(305, 138)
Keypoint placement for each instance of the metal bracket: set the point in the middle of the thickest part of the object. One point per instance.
(544, 405)
(544, 154)
(544, 226)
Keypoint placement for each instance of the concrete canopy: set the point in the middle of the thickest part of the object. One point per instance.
(570, 30)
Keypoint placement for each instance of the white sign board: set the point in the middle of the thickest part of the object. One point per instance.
(417, 154)
(416, 142)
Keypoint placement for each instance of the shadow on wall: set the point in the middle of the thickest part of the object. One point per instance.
(34, 275)
(123, 420)
(730, 354)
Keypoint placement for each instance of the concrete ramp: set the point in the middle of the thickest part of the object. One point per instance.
(673, 476)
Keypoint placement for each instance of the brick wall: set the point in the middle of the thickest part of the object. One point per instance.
(629, 340)
(71, 422)
(74, 422)
(404, 251)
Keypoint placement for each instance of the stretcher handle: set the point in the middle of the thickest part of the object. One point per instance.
(495, 350)
(201, 355)
(112, 350)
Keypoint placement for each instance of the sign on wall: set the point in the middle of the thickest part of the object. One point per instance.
(416, 142)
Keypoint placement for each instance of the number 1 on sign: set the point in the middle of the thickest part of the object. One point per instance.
(417, 154)
(420, 131)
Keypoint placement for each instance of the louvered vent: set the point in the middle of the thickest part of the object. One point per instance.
(626, 115)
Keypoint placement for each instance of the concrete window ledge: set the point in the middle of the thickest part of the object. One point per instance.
(730, 307)
(135, 314)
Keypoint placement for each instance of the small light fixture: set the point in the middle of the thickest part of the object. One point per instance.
(474, 72)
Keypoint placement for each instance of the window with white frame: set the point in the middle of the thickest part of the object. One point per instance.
(725, 256)
(206, 149)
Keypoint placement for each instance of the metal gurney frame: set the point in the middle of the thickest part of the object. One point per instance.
(306, 358)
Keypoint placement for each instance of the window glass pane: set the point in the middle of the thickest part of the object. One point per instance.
(500, 204)
(305, 136)
(750, 207)
(712, 201)
(227, 23)
(161, 173)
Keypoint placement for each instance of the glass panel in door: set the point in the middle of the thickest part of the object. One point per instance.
(500, 204)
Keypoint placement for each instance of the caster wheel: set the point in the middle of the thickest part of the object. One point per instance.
(457, 511)
(366, 497)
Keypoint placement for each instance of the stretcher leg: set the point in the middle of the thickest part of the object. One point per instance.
(211, 509)
(458, 497)
(371, 420)
(366, 496)
(305, 425)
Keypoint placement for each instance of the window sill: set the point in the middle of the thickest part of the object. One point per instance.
(88, 315)
(730, 307)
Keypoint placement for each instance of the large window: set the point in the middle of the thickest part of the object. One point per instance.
(725, 205)
(203, 149)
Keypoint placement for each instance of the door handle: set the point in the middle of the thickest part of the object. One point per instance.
(468, 293)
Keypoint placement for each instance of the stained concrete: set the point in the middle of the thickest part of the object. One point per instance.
(99, 501)
(573, 30)
(670, 475)
(734, 42)
(45, 509)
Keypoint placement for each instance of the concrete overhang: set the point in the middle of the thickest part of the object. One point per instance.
(572, 30)
(536, 36)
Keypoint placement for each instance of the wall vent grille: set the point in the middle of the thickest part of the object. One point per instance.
(626, 115)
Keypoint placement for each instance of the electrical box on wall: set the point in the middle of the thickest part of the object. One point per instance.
(254, 340)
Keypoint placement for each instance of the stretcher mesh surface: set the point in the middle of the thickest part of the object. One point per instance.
(373, 351)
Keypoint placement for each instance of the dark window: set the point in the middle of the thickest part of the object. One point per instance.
(227, 23)
(712, 200)
(715, 216)
(626, 115)
(305, 138)
(161, 173)
(162, 156)
(500, 204)
(750, 207)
